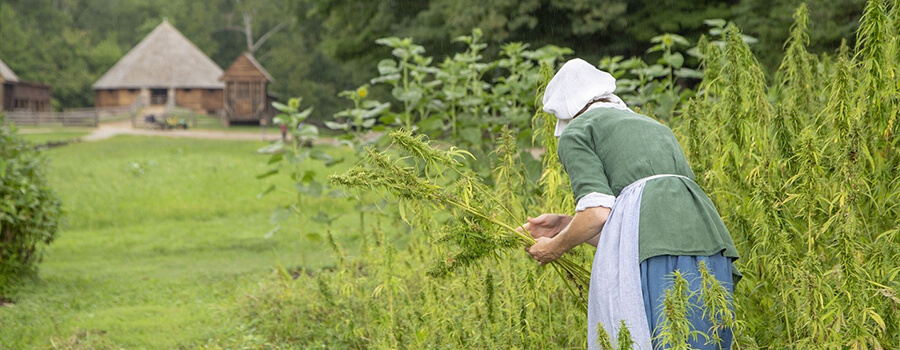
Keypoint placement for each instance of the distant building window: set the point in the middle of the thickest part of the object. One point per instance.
(210, 90)
(131, 90)
(187, 90)
(158, 96)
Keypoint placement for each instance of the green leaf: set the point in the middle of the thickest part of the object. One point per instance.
(386, 67)
(390, 79)
(715, 22)
(280, 215)
(471, 135)
(266, 191)
(275, 158)
(272, 232)
(275, 147)
(376, 110)
(407, 95)
(308, 176)
(336, 126)
(389, 41)
(389, 119)
(267, 173)
(302, 115)
(314, 237)
(680, 40)
(321, 156)
(308, 132)
(323, 217)
(282, 107)
(313, 189)
(688, 73)
(431, 123)
(675, 60)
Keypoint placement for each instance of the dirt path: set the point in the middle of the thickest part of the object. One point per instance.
(108, 130)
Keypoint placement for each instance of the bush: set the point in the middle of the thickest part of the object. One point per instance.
(29, 210)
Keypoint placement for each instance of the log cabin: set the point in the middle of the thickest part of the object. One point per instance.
(246, 95)
(18, 95)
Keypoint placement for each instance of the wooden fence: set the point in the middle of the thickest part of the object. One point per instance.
(78, 117)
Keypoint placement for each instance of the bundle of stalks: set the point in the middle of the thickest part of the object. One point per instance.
(429, 181)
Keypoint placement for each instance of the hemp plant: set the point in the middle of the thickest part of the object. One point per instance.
(428, 181)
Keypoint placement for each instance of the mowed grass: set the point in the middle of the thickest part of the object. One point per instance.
(42, 135)
(163, 237)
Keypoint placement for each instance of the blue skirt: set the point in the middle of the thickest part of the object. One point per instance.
(656, 278)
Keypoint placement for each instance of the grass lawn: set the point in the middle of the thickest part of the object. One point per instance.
(40, 135)
(163, 237)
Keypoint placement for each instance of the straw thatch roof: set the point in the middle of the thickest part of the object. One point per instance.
(164, 59)
(7, 74)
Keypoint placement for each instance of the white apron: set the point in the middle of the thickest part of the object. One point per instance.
(615, 291)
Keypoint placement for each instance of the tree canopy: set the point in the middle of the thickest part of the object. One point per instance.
(316, 48)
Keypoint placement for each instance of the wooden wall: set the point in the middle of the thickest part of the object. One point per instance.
(26, 96)
(245, 100)
(189, 98)
(115, 98)
(199, 100)
(212, 100)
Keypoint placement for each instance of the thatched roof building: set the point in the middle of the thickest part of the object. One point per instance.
(16, 94)
(164, 68)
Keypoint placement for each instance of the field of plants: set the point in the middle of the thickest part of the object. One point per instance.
(802, 164)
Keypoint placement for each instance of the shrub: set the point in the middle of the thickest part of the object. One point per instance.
(29, 210)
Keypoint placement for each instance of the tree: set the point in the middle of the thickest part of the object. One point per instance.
(249, 10)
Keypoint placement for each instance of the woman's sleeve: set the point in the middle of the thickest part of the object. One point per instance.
(589, 183)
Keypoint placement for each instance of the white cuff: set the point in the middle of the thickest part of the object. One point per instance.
(595, 199)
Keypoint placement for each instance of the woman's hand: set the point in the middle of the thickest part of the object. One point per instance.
(583, 227)
(546, 225)
(544, 250)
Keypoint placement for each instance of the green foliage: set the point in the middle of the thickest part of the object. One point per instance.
(330, 45)
(29, 210)
(804, 174)
(361, 118)
(485, 220)
(769, 20)
(388, 301)
(803, 169)
(466, 99)
(293, 157)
